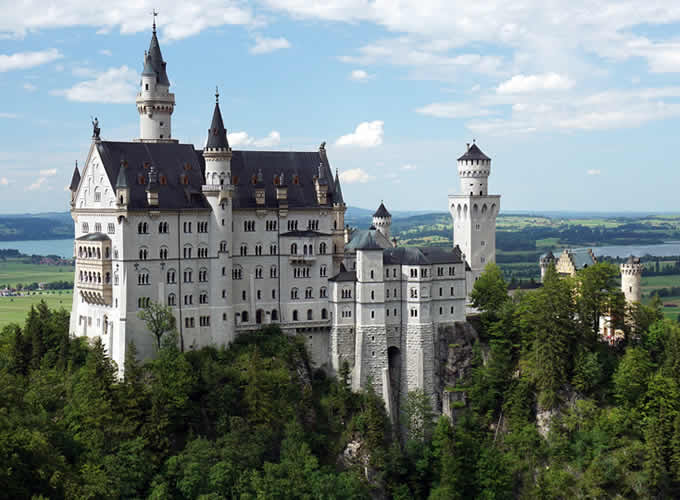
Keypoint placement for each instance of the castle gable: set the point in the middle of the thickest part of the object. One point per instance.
(179, 166)
(95, 189)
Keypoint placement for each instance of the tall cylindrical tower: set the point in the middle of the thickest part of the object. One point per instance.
(473, 169)
(155, 103)
(382, 220)
(631, 278)
(545, 261)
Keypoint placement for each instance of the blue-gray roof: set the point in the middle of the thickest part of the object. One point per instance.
(344, 275)
(94, 237)
(382, 211)
(217, 134)
(582, 257)
(155, 59)
(368, 239)
(75, 180)
(474, 153)
(421, 256)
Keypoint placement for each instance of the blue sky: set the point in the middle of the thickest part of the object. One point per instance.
(577, 102)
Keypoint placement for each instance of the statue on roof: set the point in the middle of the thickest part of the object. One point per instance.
(95, 128)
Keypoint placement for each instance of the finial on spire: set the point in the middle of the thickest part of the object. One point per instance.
(154, 14)
(217, 95)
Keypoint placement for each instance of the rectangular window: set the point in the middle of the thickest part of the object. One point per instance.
(97, 227)
(111, 228)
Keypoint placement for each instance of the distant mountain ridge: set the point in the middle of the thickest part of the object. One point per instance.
(41, 226)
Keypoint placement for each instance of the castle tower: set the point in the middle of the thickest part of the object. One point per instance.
(339, 240)
(544, 262)
(218, 191)
(631, 277)
(474, 211)
(155, 103)
(382, 220)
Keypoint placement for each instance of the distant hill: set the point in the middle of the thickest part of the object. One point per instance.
(43, 226)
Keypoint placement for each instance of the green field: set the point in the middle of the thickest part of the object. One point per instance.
(14, 271)
(14, 309)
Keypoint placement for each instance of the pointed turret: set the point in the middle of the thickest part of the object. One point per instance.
(217, 134)
(122, 188)
(382, 220)
(75, 180)
(121, 181)
(155, 103)
(337, 197)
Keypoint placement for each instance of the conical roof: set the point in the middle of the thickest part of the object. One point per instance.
(155, 60)
(217, 134)
(75, 180)
(121, 181)
(338, 190)
(474, 153)
(382, 211)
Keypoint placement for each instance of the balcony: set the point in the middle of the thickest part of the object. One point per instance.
(302, 259)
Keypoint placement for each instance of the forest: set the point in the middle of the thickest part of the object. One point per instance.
(549, 411)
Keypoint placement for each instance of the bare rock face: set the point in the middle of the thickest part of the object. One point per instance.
(454, 355)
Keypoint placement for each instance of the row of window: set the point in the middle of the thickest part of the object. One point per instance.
(110, 228)
(93, 277)
(309, 293)
(85, 252)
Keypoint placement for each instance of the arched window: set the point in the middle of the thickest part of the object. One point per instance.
(324, 314)
(273, 272)
(275, 315)
(293, 249)
(295, 315)
(293, 293)
(223, 246)
(322, 248)
(172, 299)
(372, 274)
(310, 315)
(323, 292)
(244, 317)
(170, 276)
(203, 275)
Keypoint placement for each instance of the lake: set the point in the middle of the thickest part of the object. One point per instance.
(64, 248)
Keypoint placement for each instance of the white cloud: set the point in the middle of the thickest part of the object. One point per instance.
(239, 139)
(521, 84)
(116, 85)
(454, 110)
(265, 45)
(359, 75)
(355, 175)
(38, 184)
(25, 60)
(4, 181)
(48, 172)
(106, 52)
(29, 87)
(408, 166)
(177, 20)
(9, 115)
(366, 135)
(593, 172)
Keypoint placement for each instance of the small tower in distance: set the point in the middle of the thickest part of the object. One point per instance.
(155, 103)
(546, 260)
(382, 220)
(631, 278)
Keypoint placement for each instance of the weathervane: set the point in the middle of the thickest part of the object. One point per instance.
(217, 95)
(154, 14)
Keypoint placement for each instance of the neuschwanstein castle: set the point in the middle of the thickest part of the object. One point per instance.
(233, 240)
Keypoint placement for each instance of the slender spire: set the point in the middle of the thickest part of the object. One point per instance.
(154, 13)
(217, 134)
(337, 197)
(154, 58)
(121, 182)
(75, 180)
(217, 95)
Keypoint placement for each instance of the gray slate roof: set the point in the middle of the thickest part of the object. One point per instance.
(474, 153)
(171, 160)
(382, 211)
(217, 134)
(154, 58)
(75, 180)
(421, 256)
(582, 257)
(344, 275)
(94, 237)
(303, 165)
(338, 191)
(368, 239)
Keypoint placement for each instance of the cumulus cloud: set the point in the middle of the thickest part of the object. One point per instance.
(265, 45)
(29, 87)
(408, 166)
(9, 115)
(116, 85)
(106, 52)
(453, 110)
(521, 84)
(359, 75)
(355, 175)
(25, 60)
(240, 139)
(366, 135)
(38, 184)
(48, 172)
(177, 19)
(593, 172)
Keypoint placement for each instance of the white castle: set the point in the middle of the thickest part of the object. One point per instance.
(233, 240)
